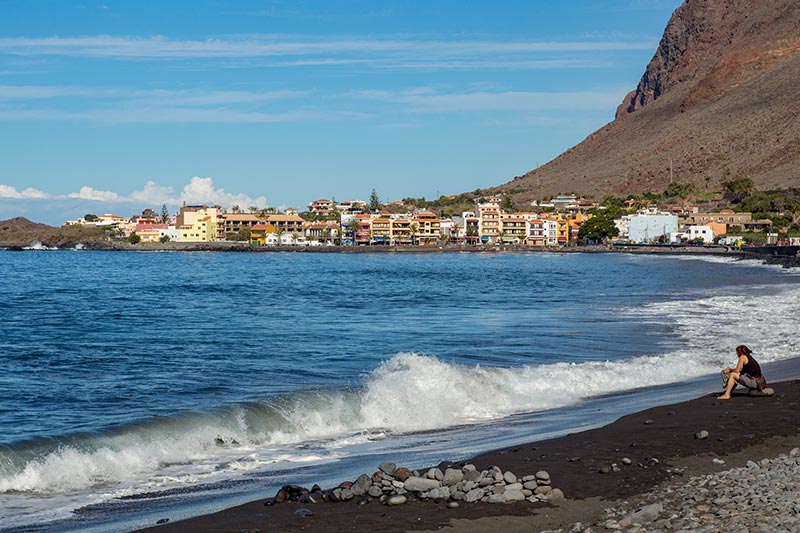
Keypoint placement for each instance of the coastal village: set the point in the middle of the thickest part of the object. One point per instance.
(557, 222)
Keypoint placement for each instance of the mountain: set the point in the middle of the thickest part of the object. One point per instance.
(718, 101)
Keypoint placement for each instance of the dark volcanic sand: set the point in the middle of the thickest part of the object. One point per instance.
(739, 429)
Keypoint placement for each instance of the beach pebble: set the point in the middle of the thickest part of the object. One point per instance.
(555, 494)
(396, 499)
(452, 505)
(402, 474)
(387, 468)
(509, 477)
(604, 470)
(304, 512)
(375, 491)
(474, 495)
(717, 461)
(452, 477)
(439, 492)
(361, 485)
(468, 468)
(514, 496)
(700, 435)
(421, 484)
(648, 422)
(542, 475)
(472, 475)
(435, 473)
(646, 514)
(626, 461)
(795, 452)
(496, 498)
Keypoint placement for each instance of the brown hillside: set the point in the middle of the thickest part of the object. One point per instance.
(719, 100)
(20, 231)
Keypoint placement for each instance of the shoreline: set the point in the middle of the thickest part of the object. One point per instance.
(785, 256)
(740, 429)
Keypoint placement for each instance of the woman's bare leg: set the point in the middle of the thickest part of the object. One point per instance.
(733, 377)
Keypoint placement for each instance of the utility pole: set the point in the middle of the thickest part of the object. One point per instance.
(670, 170)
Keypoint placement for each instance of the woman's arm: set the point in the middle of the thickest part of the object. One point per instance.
(740, 364)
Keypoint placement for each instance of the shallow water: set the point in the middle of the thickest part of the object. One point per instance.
(136, 385)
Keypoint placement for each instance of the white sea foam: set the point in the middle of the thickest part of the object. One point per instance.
(407, 393)
(37, 245)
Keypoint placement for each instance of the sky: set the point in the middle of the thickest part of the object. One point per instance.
(115, 106)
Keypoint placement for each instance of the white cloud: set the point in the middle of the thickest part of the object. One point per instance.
(160, 47)
(197, 191)
(89, 193)
(154, 194)
(178, 115)
(7, 191)
(426, 100)
(202, 191)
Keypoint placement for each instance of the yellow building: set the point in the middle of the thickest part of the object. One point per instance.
(204, 229)
(259, 232)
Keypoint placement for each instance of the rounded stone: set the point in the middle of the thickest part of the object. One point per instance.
(397, 499)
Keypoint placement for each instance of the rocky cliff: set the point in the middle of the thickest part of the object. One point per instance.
(719, 100)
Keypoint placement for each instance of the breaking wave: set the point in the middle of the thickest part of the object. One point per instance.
(406, 393)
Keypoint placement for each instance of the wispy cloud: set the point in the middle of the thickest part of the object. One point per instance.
(428, 100)
(159, 47)
(197, 190)
(176, 115)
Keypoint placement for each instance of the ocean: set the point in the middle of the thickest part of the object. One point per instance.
(137, 386)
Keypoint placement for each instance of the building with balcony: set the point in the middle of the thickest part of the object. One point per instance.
(426, 228)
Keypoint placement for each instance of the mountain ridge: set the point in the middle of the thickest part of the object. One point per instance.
(716, 102)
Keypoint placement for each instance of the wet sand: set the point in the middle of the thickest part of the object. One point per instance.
(739, 429)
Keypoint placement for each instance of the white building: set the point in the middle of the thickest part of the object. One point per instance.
(651, 225)
(701, 232)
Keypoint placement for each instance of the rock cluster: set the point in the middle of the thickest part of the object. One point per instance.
(761, 496)
(393, 485)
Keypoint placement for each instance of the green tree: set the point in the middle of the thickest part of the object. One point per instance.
(235, 208)
(243, 234)
(598, 228)
(374, 203)
(414, 230)
(164, 238)
(253, 209)
(88, 217)
(507, 204)
(134, 238)
(164, 214)
(737, 190)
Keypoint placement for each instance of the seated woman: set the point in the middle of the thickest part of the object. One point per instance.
(747, 373)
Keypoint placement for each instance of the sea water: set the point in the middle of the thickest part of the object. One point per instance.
(136, 386)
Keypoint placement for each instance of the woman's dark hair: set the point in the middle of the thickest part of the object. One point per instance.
(743, 350)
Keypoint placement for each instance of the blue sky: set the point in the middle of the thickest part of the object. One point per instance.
(114, 106)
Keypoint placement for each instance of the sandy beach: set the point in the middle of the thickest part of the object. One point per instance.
(741, 429)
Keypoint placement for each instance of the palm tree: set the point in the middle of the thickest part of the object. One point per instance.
(235, 208)
(414, 230)
(253, 209)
